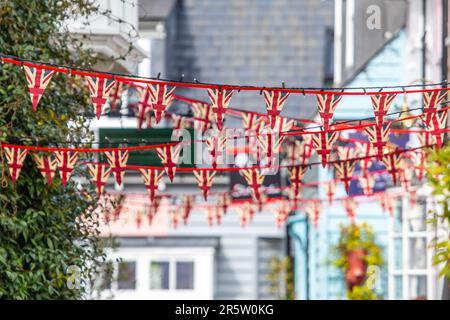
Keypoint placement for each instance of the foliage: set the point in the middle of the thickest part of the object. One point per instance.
(281, 278)
(45, 229)
(438, 172)
(358, 236)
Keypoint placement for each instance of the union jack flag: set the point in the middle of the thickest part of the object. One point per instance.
(160, 99)
(144, 105)
(323, 142)
(223, 202)
(178, 121)
(117, 159)
(254, 179)
(115, 98)
(153, 208)
(306, 149)
(270, 142)
(246, 213)
(296, 174)
(381, 104)
(187, 204)
(252, 122)
(418, 158)
(282, 125)
(367, 183)
(99, 173)
(46, 166)
(431, 101)
(204, 180)
(346, 166)
(211, 215)
(274, 104)
(406, 177)
(38, 80)
(365, 150)
(152, 178)
(313, 209)
(15, 156)
(350, 206)
(293, 149)
(100, 88)
(393, 161)
(202, 116)
(330, 190)
(387, 203)
(426, 139)
(438, 125)
(216, 146)
(138, 219)
(66, 162)
(220, 101)
(174, 218)
(327, 104)
(169, 156)
(379, 137)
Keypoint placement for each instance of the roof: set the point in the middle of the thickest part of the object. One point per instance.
(154, 10)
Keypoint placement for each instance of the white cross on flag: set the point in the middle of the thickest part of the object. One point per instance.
(204, 180)
(99, 174)
(15, 156)
(46, 166)
(327, 104)
(152, 178)
(160, 99)
(100, 88)
(220, 100)
(38, 80)
(431, 101)
(274, 104)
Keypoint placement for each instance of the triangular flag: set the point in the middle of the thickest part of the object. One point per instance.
(379, 137)
(245, 212)
(115, 98)
(100, 88)
(37, 80)
(345, 166)
(431, 101)
(153, 208)
(418, 158)
(160, 99)
(117, 159)
(350, 208)
(202, 116)
(281, 214)
(392, 162)
(144, 105)
(254, 179)
(220, 100)
(46, 166)
(252, 122)
(210, 213)
(387, 203)
(296, 174)
(330, 190)
(174, 218)
(312, 210)
(406, 177)
(327, 104)
(381, 104)
(99, 173)
(204, 180)
(15, 156)
(274, 104)
(437, 126)
(367, 183)
(169, 156)
(223, 202)
(216, 146)
(66, 161)
(323, 143)
(366, 151)
(187, 205)
(152, 178)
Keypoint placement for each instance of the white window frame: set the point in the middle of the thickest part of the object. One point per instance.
(202, 257)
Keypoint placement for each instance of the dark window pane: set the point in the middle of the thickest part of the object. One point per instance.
(159, 275)
(127, 275)
(185, 275)
(106, 276)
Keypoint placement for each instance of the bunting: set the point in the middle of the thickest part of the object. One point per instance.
(418, 158)
(406, 177)
(274, 104)
(66, 162)
(100, 89)
(392, 162)
(254, 179)
(99, 173)
(160, 98)
(153, 208)
(224, 201)
(324, 143)
(117, 159)
(379, 137)
(216, 146)
(187, 205)
(381, 104)
(365, 151)
(296, 174)
(245, 212)
(220, 100)
(202, 116)
(438, 125)
(144, 105)
(330, 190)
(174, 218)
(387, 203)
(345, 166)
(15, 157)
(350, 206)
(169, 156)
(367, 182)
(204, 180)
(152, 178)
(115, 98)
(270, 143)
(431, 101)
(282, 214)
(327, 104)
(313, 210)
(37, 80)
(306, 149)
(46, 166)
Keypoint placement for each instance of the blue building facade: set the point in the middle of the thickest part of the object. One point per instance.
(315, 276)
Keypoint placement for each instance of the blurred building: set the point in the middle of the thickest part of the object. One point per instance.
(238, 42)
(380, 43)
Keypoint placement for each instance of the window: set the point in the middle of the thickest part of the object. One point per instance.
(127, 275)
(159, 275)
(185, 275)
